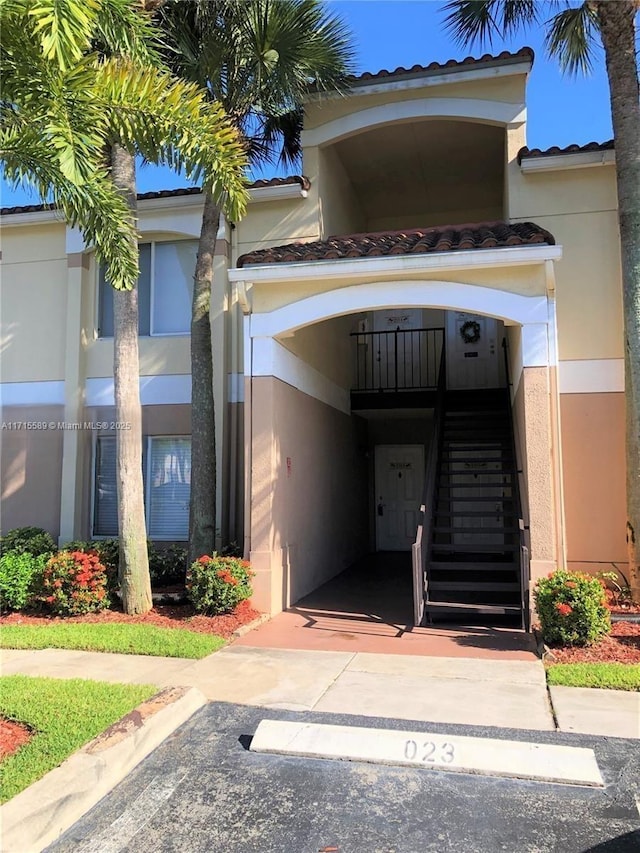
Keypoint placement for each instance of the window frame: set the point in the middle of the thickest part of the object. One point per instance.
(152, 273)
(146, 456)
(147, 473)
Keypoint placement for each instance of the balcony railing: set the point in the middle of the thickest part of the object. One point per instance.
(399, 360)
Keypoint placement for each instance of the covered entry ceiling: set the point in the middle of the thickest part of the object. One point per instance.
(431, 172)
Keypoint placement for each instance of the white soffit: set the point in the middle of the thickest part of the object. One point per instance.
(400, 264)
(418, 80)
(566, 162)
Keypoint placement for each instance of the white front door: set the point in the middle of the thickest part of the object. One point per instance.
(472, 351)
(399, 483)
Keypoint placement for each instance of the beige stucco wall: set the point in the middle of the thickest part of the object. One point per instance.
(276, 222)
(527, 281)
(31, 467)
(309, 493)
(33, 303)
(593, 440)
(579, 207)
(320, 110)
(327, 347)
(339, 208)
(538, 442)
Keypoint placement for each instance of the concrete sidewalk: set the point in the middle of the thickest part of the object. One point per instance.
(501, 693)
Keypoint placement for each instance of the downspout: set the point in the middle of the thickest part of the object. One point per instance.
(245, 305)
(556, 432)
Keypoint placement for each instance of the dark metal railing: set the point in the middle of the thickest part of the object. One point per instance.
(398, 360)
(421, 548)
(524, 565)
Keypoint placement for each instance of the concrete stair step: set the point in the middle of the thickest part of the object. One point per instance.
(476, 586)
(471, 566)
(460, 608)
(477, 549)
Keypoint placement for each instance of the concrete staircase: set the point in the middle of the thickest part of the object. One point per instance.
(474, 570)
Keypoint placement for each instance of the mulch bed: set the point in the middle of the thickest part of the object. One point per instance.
(162, 615)
(622, 645)
(12, 737)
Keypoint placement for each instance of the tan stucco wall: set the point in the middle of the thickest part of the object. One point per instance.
(327, 347)
(33, 303)
(579, 207)
(308, 515)
(31, 468)
(277, 222)
(319, 111)
(593, 440)
(528, 281)
(538, 442)
(340, 210)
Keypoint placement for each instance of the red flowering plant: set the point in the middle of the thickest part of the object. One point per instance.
(572, 608)
(218, 584)
(74, 583)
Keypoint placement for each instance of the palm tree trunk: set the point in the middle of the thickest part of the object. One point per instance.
(617, 29)
(202, 512)
(134, 560)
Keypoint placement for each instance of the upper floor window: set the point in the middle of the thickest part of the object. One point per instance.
(165, 287)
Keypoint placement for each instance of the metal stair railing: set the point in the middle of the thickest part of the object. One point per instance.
(421, 548)
(397, 360)
(523, 552)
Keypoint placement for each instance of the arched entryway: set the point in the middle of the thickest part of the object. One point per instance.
(310, 474)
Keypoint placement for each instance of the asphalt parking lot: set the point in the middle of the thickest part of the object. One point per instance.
(203, 791)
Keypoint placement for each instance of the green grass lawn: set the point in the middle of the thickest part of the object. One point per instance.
(64, 715)
(610, 676)
(115, 637)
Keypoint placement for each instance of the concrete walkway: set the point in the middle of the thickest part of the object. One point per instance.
(502, 693)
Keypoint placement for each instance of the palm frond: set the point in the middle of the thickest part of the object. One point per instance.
(258, 59)
(479, 21)
(170, 121)
(95, 207)
(572, 38)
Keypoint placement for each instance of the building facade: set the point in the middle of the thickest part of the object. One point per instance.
(426, 268)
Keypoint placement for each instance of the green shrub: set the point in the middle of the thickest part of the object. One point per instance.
(168, 565)
(20, 579)
(217, 584)
(232, 549)
(572, 608)
(108, 551)
(28, 540)
(74, 583)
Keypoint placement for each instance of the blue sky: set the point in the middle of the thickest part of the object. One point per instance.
(390, 33)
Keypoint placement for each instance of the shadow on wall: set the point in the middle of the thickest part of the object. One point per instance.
(309, 487)
(31, 470)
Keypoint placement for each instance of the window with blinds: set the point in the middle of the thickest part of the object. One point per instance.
(167, 474)
(105, 505)
(168, 488)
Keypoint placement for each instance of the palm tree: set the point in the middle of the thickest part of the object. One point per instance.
(72, 104)
(257, 59)
(571, 35)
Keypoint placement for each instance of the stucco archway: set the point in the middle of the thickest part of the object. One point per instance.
(281, 382)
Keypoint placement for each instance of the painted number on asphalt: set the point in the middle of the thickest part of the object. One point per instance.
(429, 752)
